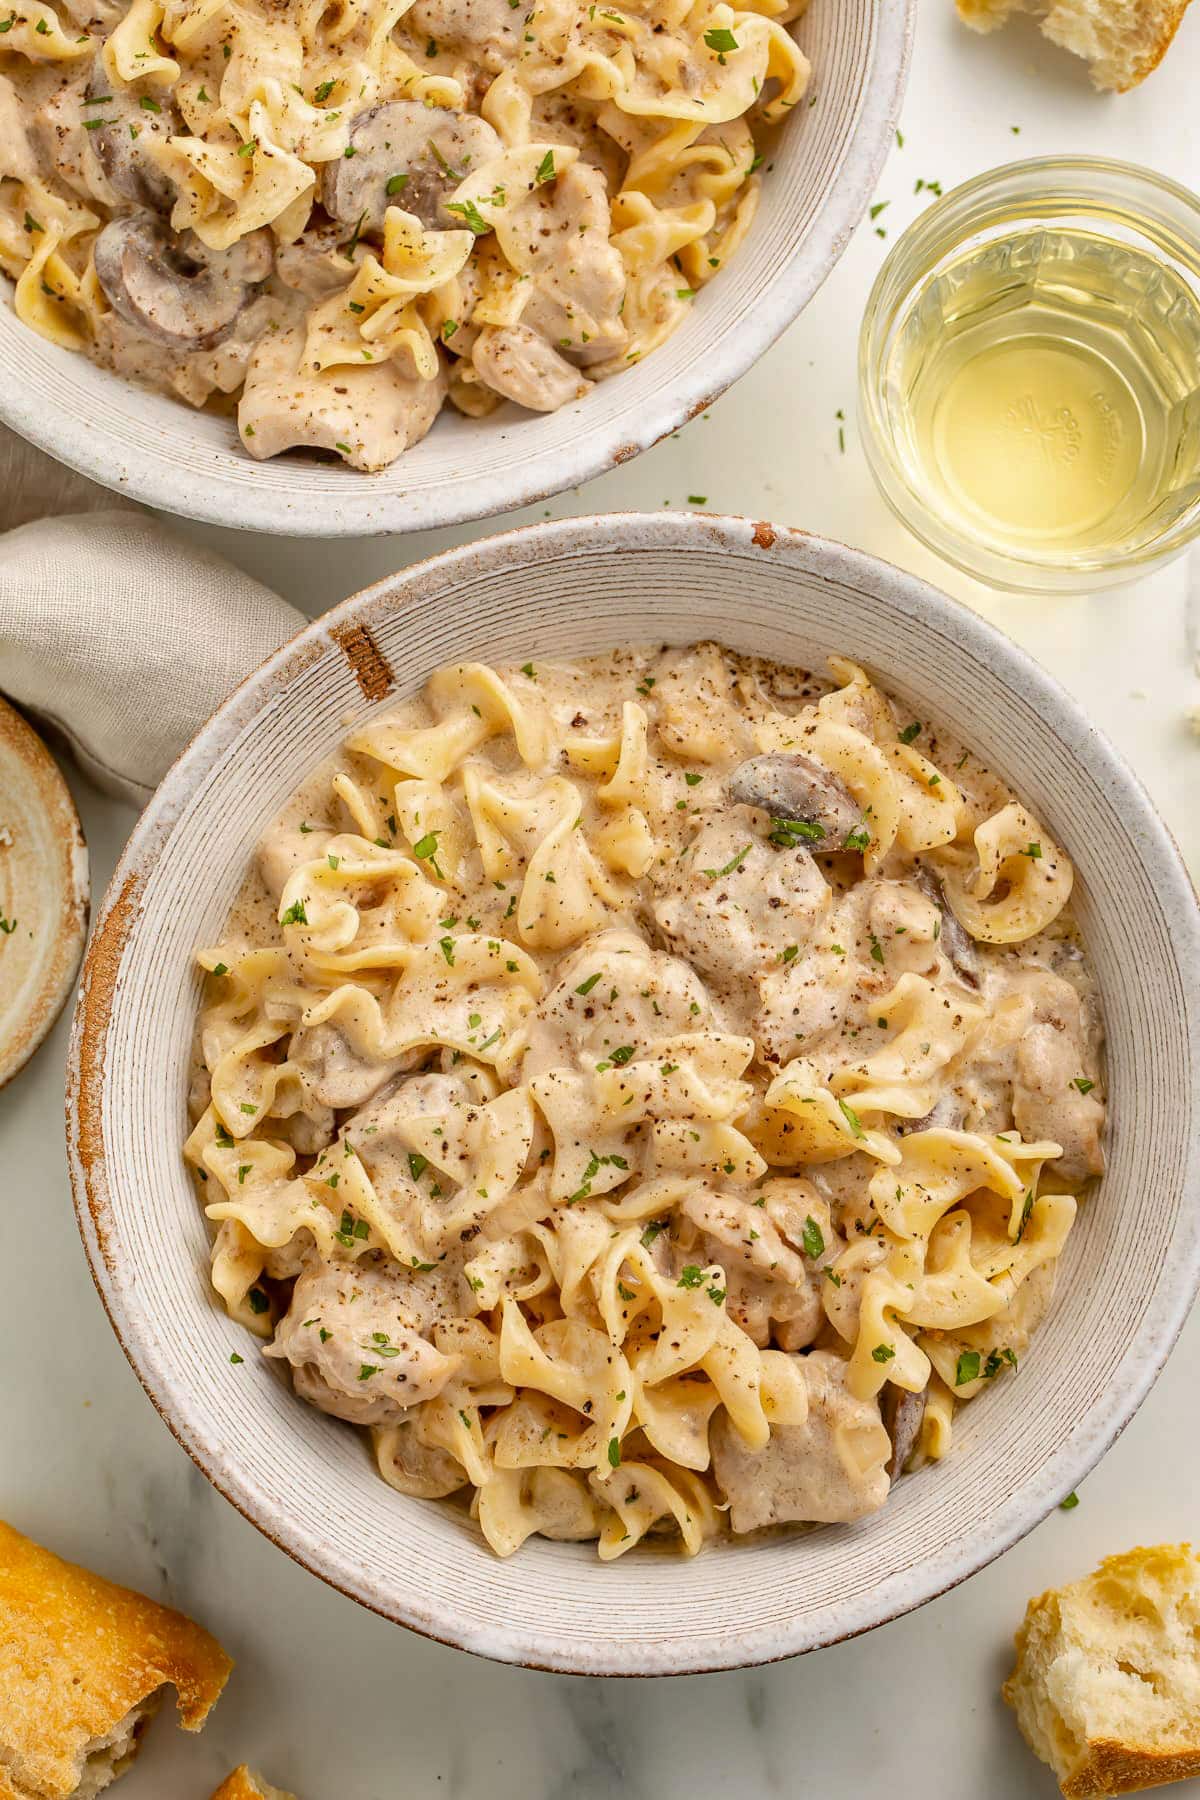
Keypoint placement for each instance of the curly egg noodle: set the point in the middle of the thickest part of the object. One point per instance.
(649, 1094)
(348, 210)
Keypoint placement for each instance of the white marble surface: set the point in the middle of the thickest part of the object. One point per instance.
(340, 1705)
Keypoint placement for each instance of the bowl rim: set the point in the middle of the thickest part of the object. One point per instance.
(364, 509)
(116, 922)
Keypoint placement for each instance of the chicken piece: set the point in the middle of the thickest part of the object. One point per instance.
(355, 1334)
(193, 375)
(830, 1470)
(734, 906)
(334, 1072)
(367, 415)
(489, 31)
(578, 278)
(772, 1249)
(641, 994)
(696, 716)
(1052, 1095)
(281, 851)
(18, 161)
(518, 363)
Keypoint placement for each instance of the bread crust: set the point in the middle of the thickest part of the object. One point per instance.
(1154, 29)
(1114, 1768)
(243, 1784)
(1089, 1617)
(77, 1655)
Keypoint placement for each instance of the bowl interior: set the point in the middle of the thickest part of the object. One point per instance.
(1131, 1266)
(824, 164)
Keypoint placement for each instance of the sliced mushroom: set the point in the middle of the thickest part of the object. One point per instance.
(173, 288)
(955, 940)
(408, 155)
(120, 124)
(946, 1114)
(799, 791)
(514, 361)
(902, 1415)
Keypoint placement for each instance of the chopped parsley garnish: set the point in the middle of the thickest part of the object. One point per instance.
(790, 954)
(425, 849)
(789, 832)
(295, 914)
(1083, 1084)
(876, 948)
(967, 1368)
(220, 969)
(857, 840)
(258, 1300)
(1033, 851)
(813, 1238)
(446, 945)
(697, 500)
(528, 669)
(585, 987)
(545, 169)
(691, 1276)
(652, 1230)
(235, 1358)
(614, 1453)
(1069, 1504)
(690, 776)
(882, 1353)
(323, 92)
(396, 184)
(471, 214)
(720, 40)
(910, 732)
(417, 1164)
(852, 1119)
(735, 862)
(366, 1370)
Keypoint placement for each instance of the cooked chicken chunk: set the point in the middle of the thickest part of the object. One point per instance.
(830, 1470)
(356, 1336)
(366, 415)
(734, 905)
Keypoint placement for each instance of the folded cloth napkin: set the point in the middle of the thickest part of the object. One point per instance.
(116, 633)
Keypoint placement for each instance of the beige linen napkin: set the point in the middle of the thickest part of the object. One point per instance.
(117, 633)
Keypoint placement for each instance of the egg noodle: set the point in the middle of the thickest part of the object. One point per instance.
(350, 211)
(647, 1092)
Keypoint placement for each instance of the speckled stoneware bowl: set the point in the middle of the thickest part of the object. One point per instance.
(1132, 1264)
(824, 166)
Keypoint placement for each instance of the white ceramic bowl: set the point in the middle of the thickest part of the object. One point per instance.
(1132, 1264)
(825, 165)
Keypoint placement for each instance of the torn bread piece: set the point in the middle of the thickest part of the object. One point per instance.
(244, 1784)
(1106, 1687)
(83, 1668)
(1122, 41)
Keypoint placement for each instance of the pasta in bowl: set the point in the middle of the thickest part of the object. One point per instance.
(649, 1093)
(346, 217)
(991, 1102)
(323, 228)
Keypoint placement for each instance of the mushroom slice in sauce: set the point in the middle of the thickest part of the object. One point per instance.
(407, 155)
(120, 125)
(902, 1415)
(799, 791)
(956, 941)
(172, 288)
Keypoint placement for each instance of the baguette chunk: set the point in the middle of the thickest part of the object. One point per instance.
(83, 1668)
(1122, 41)
(1106, 1687)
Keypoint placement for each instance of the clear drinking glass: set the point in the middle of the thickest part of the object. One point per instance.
(1029, 374)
